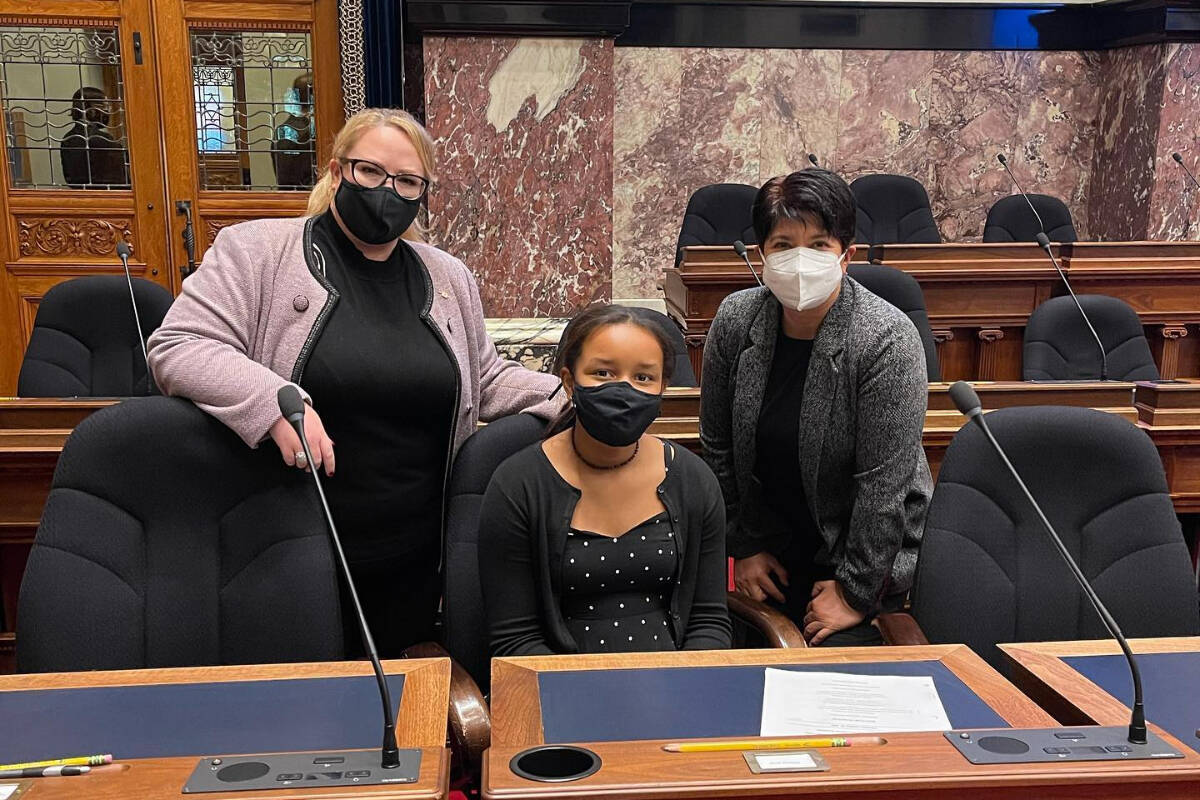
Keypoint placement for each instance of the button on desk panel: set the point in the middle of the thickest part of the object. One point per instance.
(159, 723)
(648, 699)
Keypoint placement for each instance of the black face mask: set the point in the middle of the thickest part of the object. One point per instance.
(374, 216)
(615, 413)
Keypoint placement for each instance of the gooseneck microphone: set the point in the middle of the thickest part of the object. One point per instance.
(813, 159)
(1179, 160)
(291, 405)
(123, 252)
(739, 247)
(1004, 163)
(1044, 242)
(967, 402)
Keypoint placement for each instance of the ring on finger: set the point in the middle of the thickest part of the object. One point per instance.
(301, 459)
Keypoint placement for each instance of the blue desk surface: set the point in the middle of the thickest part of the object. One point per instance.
(1170, 683)
(706, 702)
(194, 719)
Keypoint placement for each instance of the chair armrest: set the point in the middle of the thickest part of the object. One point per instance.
(470, 720)
(899, 628)
(774, 625)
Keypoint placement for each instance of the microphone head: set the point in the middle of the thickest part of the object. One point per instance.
(123, 250)
(1000, 157)
(1178, 158)
(965, 399)
(1043, 240)
(739, 247)
(291, 404)
(813, 159)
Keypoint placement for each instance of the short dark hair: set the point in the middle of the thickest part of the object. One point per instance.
(814, 196)
(83, 96)
(582, 326)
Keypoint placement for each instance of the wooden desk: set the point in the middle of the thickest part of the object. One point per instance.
(1043, 674)
(913, 765)
(420, 723)
(980, 295)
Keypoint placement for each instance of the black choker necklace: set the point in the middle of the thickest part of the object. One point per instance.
(636, 446)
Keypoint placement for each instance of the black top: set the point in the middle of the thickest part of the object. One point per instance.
(92, 157)
(523, 543)
(618, 591)
(385, 389)
(777, 441)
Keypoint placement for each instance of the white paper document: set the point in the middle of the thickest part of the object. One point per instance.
(810, 703)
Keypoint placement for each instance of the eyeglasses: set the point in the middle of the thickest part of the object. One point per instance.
(370, 175)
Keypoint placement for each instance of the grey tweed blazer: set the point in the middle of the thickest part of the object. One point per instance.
(865, 476)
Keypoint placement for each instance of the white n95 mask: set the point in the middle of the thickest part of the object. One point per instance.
(802, 278)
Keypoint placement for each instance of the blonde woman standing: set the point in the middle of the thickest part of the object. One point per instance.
(383, 334)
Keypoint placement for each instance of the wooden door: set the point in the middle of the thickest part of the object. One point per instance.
(82, 163)
(252, 101)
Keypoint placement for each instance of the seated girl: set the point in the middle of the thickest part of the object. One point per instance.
(603, 538)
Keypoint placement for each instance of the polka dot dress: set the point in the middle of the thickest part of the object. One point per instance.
(617, 591)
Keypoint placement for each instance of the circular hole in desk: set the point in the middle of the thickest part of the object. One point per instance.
(555, 763)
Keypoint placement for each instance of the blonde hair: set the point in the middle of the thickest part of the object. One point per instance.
(354, 129)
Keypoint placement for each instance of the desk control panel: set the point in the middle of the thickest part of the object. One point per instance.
(300, 771)
(1047, 745)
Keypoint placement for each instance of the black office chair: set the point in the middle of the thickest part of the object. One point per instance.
(988, 573)
(1010, 220)
(717, 214)
(902, 290)
(1059, 346)
(84, 343)
(892, 209)
(166, 542)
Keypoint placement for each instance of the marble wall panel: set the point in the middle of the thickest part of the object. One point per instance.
(1175, 202)
(1129, 83)
(524, 192)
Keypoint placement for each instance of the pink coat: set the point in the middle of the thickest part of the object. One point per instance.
(235, 334)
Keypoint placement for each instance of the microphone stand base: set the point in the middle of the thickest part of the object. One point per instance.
(319, 769)
(1048, 745)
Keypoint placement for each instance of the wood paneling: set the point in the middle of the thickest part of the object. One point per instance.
(979, 296)
(54, 235)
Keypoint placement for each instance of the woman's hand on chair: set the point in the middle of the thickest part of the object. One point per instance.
(828, 612)
(319, 443)
(752, 577)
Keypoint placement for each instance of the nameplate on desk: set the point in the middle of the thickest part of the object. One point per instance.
(787, 761)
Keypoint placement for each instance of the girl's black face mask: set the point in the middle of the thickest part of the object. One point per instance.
(615, 413)
(374, 216)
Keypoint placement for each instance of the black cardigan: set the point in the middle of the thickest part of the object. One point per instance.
(526, 513)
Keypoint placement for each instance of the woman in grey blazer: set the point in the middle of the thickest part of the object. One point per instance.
(813, 401)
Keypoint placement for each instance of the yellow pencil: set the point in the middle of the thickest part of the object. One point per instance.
(772, 744)
(74, 761)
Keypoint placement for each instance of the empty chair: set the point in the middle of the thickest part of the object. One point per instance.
(1010, 220)
(84, 343)
(892, 209)
(988, 572)
(1059, 346)
(166, 542)
(717, 214)
(902, 290)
